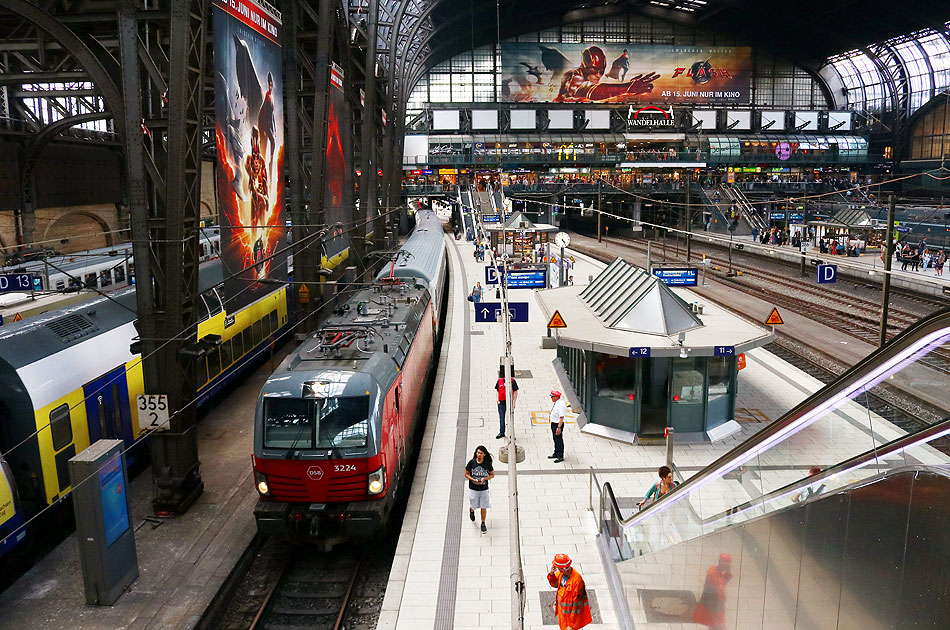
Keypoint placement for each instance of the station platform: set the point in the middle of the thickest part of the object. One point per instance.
(447, 574)
(925, 281)
(182, 561)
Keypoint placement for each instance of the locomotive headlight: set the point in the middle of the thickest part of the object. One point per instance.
(261, 482)
(376, 480)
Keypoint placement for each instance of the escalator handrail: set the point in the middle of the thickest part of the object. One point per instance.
(895, 446)
(917, 336)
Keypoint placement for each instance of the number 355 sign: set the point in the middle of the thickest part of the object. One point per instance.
(153, 412)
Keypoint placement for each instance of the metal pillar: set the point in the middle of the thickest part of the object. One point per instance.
(292, 138)
(368, 166)
(689, 220)
(888, 255)
(311, 254)
(165, 226)
(599, 198)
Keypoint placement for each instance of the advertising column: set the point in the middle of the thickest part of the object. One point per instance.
(249, 133)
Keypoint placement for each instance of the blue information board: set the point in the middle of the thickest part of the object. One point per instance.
(639, 352)
(724, 351)
(527, 278)
(677, 276)
(16, 282)
(519, 278)
(491, 218)
(776, 216)
(115, 508)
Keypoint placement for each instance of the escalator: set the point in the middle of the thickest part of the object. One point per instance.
(834, 516)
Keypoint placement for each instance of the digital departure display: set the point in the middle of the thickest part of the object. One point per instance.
(115, 508)
(677, 276)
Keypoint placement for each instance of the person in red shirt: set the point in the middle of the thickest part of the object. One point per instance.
(571, 604)
(502, 400)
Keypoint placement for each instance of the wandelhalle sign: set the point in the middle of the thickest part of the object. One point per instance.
(650, 116)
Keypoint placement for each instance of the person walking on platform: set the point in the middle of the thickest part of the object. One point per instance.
(502, 400)
(557, 415)
(571, 604)
(479, 471)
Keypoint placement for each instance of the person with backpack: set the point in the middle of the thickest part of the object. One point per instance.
(660, 488)
(502, 400)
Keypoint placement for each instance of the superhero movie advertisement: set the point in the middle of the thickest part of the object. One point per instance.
(338, 199)
(249, 130)
(625, 73)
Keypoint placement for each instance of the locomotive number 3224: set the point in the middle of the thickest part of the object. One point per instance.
(344, 468)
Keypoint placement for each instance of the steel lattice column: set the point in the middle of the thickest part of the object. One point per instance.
(368, 167)
(165, 226)
(311, 256)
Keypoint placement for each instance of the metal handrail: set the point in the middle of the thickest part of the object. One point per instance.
(917, 336)
(895, 446)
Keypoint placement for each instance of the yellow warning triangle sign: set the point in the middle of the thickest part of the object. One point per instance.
(557, 321)
(774, 318)
(303, 294)
(17, 317)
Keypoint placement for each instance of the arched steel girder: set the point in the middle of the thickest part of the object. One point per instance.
(50, 131)
(97, 72)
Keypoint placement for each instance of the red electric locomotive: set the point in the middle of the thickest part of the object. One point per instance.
(335, 424)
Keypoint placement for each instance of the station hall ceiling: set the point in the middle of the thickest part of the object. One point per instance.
(806, 31)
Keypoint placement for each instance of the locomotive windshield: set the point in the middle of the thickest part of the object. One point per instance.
(307, 423)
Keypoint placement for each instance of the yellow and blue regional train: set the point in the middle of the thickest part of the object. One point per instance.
(69, 378)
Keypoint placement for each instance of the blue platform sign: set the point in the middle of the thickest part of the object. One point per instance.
(519, 278)
(677, 276)
(639, 352)
(724, 351)
(827, 274)
(16, 282)
(491, 218)
(490, 312)
(776, 216)
(903, 230)
(527, 278)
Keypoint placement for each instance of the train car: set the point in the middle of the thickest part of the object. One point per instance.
(335, 425)
(69, 377)
(103, 268)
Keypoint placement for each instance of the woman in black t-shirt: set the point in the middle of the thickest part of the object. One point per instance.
(478, 471)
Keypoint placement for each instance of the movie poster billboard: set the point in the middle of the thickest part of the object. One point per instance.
(249, 132)
(338, 199)
(625, 73)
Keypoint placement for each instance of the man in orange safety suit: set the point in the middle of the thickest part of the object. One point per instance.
(570, 604)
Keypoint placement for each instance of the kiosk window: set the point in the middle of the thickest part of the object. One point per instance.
(61, 427)
(616, 377)
(720, 376)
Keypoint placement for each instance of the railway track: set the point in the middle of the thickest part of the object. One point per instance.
(848, 313)
(281, 586)
(312, 591)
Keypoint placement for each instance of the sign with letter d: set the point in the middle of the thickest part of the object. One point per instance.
(827, 274)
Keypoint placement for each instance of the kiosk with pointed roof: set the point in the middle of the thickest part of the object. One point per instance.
(642, 356)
